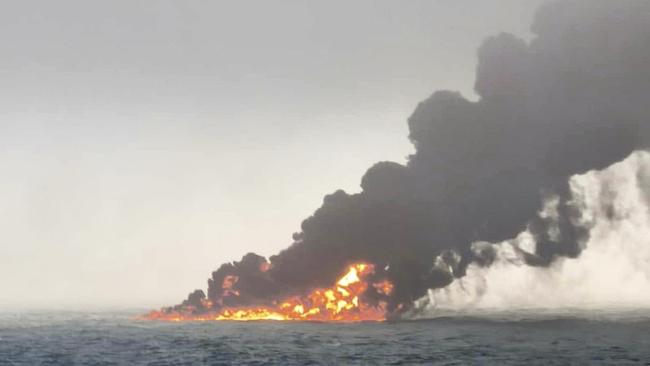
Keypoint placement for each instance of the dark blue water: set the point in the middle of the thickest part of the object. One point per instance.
(113, 338)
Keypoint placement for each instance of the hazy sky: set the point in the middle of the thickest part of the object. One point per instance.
(143, 143)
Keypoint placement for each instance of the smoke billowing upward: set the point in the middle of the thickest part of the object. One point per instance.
(613, 270)
(574, 99)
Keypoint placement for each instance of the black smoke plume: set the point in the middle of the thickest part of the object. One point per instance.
(574, 98)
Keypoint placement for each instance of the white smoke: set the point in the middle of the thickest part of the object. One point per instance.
(613, 270)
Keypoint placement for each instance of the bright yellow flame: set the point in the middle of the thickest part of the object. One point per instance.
(339, 303)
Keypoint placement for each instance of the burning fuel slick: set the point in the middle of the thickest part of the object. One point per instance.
(341, 302)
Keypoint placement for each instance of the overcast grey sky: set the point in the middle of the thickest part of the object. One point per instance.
(143, 143)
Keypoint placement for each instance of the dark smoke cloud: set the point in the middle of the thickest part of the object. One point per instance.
(575, 98)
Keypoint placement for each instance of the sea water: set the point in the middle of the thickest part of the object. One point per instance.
(502, 338)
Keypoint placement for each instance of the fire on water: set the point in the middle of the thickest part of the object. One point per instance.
(341, 302)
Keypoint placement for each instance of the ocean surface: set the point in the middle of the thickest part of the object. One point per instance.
(503, 338)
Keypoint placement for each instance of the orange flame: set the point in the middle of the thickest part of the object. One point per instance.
(384, 287)
(228, 286)
(341, 302)
(265, 266)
